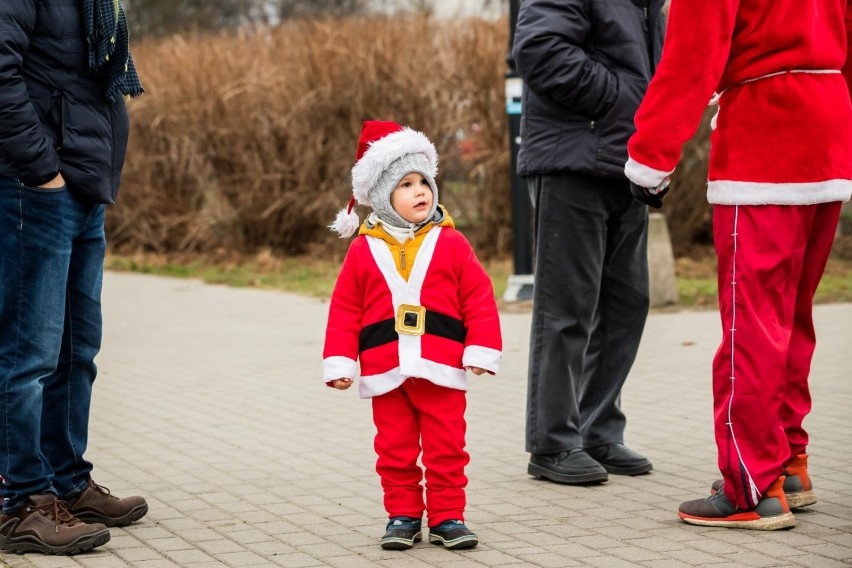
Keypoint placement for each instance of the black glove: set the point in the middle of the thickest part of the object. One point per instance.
(650, 196)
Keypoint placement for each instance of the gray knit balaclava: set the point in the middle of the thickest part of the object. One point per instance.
(387, 151)
(380, 194)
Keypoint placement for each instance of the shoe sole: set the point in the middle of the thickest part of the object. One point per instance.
(540, 472)
(24, 544)
(800, 499)
(744, 521)
(134, 515)
(400, 543)
(635, 470)
(459, 543)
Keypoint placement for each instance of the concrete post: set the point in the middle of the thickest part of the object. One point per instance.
(661, 265)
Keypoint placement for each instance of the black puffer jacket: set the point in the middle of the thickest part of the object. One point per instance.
(53, 113)
(586, 65)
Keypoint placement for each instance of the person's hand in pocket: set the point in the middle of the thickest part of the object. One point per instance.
(55, 183)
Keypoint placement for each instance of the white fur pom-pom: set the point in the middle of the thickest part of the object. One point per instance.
(346, 223)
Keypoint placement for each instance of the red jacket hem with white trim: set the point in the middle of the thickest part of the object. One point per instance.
(784, 126)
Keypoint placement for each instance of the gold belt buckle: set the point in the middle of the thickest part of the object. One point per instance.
(410, 320)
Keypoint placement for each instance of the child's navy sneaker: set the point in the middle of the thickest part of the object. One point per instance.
(453, 535)
(401, 533)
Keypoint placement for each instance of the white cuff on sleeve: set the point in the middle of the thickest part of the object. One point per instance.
(642, 175)
(482, 357)
(338, 368)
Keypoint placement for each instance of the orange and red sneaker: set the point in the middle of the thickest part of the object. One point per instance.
(771, 513)
(797, 483)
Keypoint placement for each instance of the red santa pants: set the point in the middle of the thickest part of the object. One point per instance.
(771, 259)
(420, 412)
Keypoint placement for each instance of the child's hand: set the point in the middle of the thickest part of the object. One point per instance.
(476, 370)
(341, 384)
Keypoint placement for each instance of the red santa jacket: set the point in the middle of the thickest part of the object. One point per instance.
(461, 326)
(783, 132)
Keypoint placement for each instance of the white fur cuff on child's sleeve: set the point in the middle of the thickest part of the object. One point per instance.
(338, 368)
(482, 357)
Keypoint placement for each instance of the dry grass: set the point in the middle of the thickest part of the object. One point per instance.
(245, 142)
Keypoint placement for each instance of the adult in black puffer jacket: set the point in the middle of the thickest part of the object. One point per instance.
(54, 113)
(65, 70)
(586, 65)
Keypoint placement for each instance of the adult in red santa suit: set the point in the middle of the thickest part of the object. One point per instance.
(780, 168)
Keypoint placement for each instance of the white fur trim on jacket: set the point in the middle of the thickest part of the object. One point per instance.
(337, 367)
(482, 357)
(383, 152)
(725, 192)
(644, 176)
(437, 373)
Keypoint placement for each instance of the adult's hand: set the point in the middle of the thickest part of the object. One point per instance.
(650, 196)
(55, 183)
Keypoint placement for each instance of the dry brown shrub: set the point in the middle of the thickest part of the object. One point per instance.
(244, 142)
(687, 211)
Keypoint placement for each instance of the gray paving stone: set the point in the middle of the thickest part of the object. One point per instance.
(156, 564)
(246, 459)
(139, 553)
(237, 559)
(187, 557)
(40, 561)
(221, 546)
(169, 544)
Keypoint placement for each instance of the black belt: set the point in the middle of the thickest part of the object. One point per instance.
(384, 331)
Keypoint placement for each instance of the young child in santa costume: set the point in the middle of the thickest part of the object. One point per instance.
(780, 168)
(414, 304)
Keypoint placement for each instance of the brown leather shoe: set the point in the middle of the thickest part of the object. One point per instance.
(45, 525)
(94, 504)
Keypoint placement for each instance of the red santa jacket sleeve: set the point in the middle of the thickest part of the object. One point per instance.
(847, 67)
(695, 52)
(483, 343)
(345, 315)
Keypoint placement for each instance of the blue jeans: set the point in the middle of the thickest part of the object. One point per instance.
(51, 269)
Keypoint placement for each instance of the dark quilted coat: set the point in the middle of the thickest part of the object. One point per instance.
(53, 112)
(585, 65)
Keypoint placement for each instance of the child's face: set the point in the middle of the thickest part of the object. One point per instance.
(412, 198)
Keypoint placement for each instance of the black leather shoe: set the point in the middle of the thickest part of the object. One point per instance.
(573, 466)
(618, 459)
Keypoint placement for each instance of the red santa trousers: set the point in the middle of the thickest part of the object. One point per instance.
(420, 412)
(771, 259)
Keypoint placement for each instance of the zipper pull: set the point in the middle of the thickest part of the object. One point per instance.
(646, 23)
(402, 258)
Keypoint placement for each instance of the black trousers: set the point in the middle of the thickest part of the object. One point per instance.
(590, 302)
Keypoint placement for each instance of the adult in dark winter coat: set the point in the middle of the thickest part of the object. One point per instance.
(586, 65)
(65, 71)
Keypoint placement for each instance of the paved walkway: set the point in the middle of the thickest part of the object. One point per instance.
(210, 404)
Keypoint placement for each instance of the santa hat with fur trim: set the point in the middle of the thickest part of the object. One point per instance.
(380, 144)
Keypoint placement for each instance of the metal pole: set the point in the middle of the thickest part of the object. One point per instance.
(520, 283)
